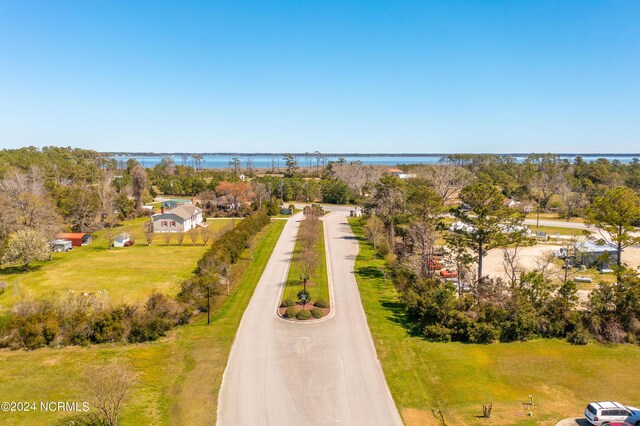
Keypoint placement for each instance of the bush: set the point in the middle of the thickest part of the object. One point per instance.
(321, 303)
(316, 313)
(290, 312)
(303, 315)
(287, 303)
(437, 333)
(579, 336)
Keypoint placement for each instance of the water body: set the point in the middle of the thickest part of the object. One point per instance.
(219, 161)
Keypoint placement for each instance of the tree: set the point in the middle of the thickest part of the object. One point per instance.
(139, 182)
(108, 386)
(237, 193)
(333, 192)
(447, 180)
(374, 231)
(388, 203)
(234, 165)
(545, 185)
(27, 204)
(193, 235)
(26, 246)
(614, 215)
(357, 176)
(424, 207)
(488, 225)
(291, 165)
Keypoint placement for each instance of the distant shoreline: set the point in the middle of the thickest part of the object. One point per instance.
(345, 154)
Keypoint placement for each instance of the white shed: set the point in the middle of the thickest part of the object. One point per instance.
(121, 240)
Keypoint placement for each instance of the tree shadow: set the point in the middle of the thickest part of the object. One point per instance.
(10, 270)
(398, 314)
(370, 272)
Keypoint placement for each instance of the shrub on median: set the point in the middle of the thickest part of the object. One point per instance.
(290, 312)
(287, 303)
(316, 313)
(321, 303)
(303, 315)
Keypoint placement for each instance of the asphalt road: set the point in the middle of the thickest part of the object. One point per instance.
(313, 373)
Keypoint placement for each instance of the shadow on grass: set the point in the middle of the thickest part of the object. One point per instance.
(394, 309)
(10, 270)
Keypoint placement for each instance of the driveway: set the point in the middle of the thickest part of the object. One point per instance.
(315, 373)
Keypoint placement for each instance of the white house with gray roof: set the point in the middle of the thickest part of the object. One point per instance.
(180, 219)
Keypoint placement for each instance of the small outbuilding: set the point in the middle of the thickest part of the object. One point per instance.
(601, 256)
(122, 240)
(60, 245)
(78, 239)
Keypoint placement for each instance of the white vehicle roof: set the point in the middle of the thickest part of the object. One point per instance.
(608, 404)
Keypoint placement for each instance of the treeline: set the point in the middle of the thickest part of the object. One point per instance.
(214, 267)
(79, 319)
(533, 307)
(437, 266)
(83, 319)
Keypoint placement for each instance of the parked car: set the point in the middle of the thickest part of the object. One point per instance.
(610, 413)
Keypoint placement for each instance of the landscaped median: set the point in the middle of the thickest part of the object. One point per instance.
(306, 292)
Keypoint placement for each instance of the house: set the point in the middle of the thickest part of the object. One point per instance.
(511, 203)
(172, 204)
(180, 219)
(590, 253)
(401, 174)
(78, 239)
(122, 240)
(61, 245)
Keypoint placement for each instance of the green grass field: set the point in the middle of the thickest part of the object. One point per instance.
(553, 230)
(180, 375)
(456, 379)
(127, 274)
(318, 286)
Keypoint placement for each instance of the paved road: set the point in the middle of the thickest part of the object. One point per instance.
(285, 373)
(558, 223)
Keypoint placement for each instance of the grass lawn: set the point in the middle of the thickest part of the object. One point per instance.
(554, 216)
(552, 230)
(127, 274)
(319, 287)
(453, 380)
(180, 375)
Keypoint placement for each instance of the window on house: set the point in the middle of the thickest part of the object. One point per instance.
(173, 223)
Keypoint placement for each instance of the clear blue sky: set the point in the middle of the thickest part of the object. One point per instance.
(366, 76)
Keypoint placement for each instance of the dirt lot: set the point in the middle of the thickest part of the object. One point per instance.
(529, 257)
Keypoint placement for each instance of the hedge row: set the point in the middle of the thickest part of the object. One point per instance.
(214, 266)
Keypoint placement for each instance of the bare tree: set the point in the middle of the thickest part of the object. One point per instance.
(357, 176)
(544, 262)
(180, 238)
(166, 237)
(374, 231)
(447, 179)
(108, 386)
(545, 185)
(511, 263)
(193, 235)
(206, 234)
(27, 204)
(149, 237)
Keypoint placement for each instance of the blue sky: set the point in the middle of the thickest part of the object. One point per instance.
(366, 76)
